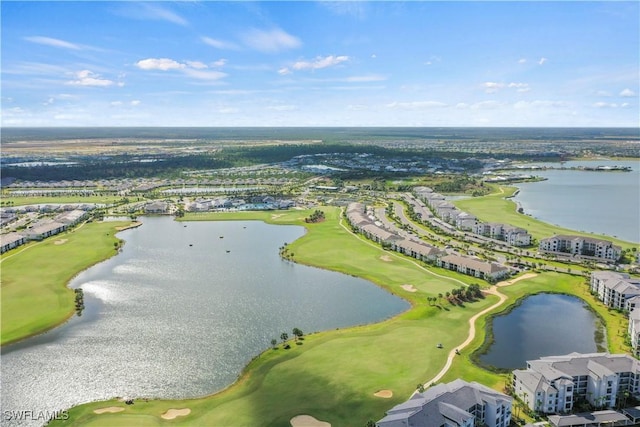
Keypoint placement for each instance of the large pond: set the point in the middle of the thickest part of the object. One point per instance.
(597, 202)
(180, 312)
(542, 325)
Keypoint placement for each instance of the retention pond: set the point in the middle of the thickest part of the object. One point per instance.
(543, 325)
(179, 312)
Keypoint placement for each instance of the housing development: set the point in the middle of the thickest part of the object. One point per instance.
(429, 233)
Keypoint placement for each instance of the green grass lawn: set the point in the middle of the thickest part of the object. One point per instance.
(35, 297)
(496, 208)
(333, 375)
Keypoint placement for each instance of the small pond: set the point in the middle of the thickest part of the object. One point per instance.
(542, 325)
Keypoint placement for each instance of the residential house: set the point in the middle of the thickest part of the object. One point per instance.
(157, 207)
(43, 229)
(553, 384)
(455, 404)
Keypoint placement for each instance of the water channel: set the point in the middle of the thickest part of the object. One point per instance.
(179, 312)
(542, 325)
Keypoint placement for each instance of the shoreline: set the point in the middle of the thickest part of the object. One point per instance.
(69, 315)
(248, 371)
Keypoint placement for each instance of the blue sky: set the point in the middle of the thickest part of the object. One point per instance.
(344, 63)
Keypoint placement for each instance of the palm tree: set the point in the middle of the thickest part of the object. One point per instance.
(284, 336)
(274, 342)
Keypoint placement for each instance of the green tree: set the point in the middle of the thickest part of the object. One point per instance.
(297, 333)
(284, 336)
(274, 342)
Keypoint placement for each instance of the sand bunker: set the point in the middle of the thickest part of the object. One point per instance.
(173, 413)
(409, 288)
(385, 394)
(110, 410)
(386, 258)
(307, 421)
(517, 279)
(60, 242)
(275, 216)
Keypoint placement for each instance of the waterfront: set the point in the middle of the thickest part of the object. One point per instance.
(598, 202)
(180, 312)
(542, 325)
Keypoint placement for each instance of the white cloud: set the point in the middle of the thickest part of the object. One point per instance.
(136, 102)
(161, 14)
(219, 63)
(603, 93)
(542, 61)
(522, 61)
(415, 105)
(87, 78)
(195, 69)
(163, 64)
(484, 105)
(196, 64)
(270, 41)
(320, 62)
(115, 103)
(539, 104)
(203, 74)
(492, 87)
(219, 44)
(284, 71)
(48, 41)
(627, 93)
(605, 105)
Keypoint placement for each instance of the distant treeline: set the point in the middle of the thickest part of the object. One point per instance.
(171, 165)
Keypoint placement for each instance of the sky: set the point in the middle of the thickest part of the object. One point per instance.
(304, 63)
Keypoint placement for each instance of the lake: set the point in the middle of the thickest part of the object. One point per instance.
(179, 312)
(542, 325)
(598, 202)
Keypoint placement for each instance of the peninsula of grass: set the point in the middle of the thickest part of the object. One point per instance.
(35, 296)
(496, 207)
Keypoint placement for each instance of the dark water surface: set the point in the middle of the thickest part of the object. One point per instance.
(180, 312)
(543, 325)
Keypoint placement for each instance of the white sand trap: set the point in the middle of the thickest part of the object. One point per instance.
(60, 242)
(409, 288)
(109, 410)
(517, 279)
(307, 421)
(386, 258)
(385, 394)
(275, 216)
(173, 413)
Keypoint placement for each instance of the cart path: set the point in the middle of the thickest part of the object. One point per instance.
(472, 323)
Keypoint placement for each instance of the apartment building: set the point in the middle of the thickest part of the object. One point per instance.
(553, 384)
(513, 235)
(473, 267)
(615, 290)
(456, 404)
(597, 249)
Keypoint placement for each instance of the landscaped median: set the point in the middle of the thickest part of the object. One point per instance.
(35, 296)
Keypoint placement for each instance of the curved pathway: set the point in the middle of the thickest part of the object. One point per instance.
(472, 324)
